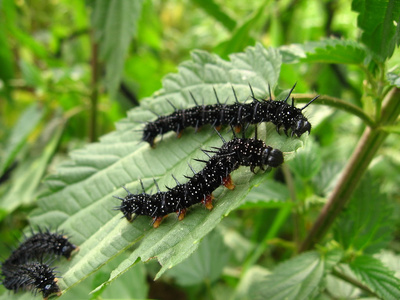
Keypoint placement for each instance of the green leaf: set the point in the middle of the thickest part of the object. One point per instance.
(25, 125)
(31, 74)
(242, 34)
(376, 276)
(79, 198)
(115, 23)
(367, 224)
(307, 162)
(394, 78)
(205, 264)
(254, 276)
(215, 10)
(6, 63)
(378, 20)
(297, 278)
(268, 191)
(332, 51)
(29, 173)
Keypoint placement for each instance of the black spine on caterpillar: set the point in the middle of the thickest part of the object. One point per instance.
(234, 153)
(31, 276)
(278, 112)
(41, 244)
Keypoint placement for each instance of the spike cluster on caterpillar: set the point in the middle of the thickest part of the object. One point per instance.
(199, 188)
(278, 112)
(25, 269)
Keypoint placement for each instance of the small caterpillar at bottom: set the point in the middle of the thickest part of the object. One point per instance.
(25, 270)
(32, 276)
(234, 153)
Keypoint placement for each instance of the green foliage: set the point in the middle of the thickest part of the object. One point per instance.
(366, 225)
(321, 227)
(375, 275)
(377, 20)
(297, 278)
(115, 24)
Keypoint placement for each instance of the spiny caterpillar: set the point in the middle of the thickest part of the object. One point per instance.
(25, 269)
(234, 153)
(278, 112)
(40, 244)
(31, 276)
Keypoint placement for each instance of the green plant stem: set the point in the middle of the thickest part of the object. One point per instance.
(366, 149)
(354, 282)
(94, 94)
(336, 103)
(295, 214)
(280, 218)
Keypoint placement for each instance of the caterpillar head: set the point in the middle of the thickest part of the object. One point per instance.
(301, 126)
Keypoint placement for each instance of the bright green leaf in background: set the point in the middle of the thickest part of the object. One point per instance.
(115, 24)
(334, 51)
(206, 264)
(378, 21)
(366, 226)
(376, 276)
(18, 136)
(295, 279)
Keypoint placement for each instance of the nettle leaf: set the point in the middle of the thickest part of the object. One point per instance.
(332, 51)
(376, 276)
(115, 23)
(206, 264)
(79, 196)
(394, 78)
(379, 21)
(297, 278)
(367, 224)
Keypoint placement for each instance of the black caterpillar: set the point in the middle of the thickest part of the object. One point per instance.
(31, 276)
(234, 153)
(280, 113)
(25, 270)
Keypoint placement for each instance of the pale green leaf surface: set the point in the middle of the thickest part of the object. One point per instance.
(297, 278)
(206, 264)
(376, 276)
(332, 50)
(394, 78)
(267, 194)
(79, 199)
(255, 275)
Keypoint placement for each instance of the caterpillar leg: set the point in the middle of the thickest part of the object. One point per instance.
(157, 221)
(208, 201)
(181, 214)
(228, 183)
